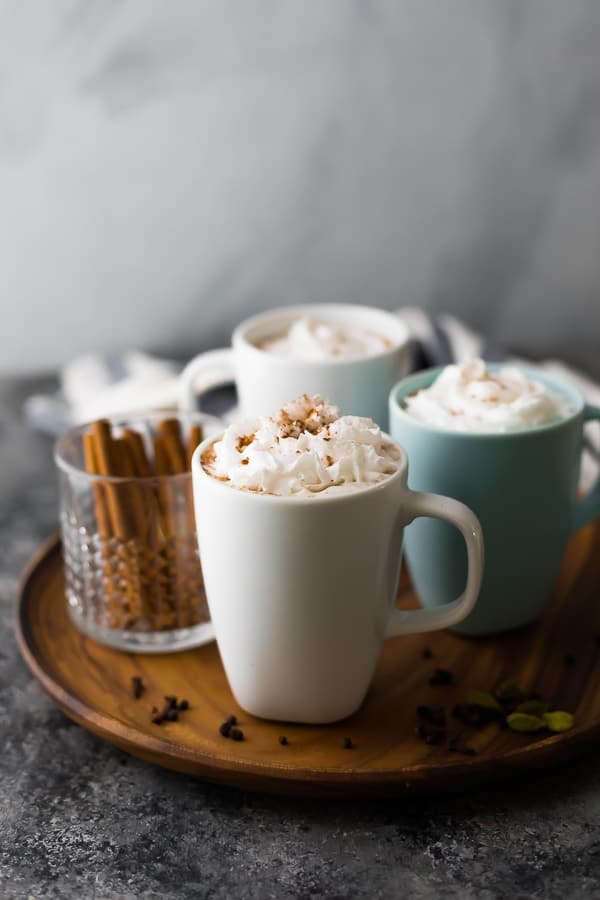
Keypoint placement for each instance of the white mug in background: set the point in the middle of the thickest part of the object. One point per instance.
(302, 590)
(266, 381)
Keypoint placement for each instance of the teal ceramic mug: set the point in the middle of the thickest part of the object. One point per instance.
(522, 485)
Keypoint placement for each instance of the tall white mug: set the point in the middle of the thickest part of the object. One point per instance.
(302, 590)
(265, 381)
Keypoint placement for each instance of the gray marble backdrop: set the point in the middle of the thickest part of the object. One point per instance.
(169, 167)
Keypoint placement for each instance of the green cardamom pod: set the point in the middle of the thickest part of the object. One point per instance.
(483, 699)
(559, 721)
(508, 692)
(519, 721)
(533, 708)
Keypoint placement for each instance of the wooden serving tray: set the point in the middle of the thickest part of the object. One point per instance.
(92, 684)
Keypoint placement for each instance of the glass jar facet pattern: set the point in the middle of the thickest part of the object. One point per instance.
(137, 586)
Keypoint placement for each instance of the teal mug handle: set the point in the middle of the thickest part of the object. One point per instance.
(588, 507)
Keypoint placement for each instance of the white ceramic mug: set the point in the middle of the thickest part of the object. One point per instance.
(265, 381)
(302, 591)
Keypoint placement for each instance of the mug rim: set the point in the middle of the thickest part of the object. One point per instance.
(425, 377)
(400, 474)
(240, 333)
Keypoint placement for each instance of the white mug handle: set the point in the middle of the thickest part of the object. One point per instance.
(216, 367)
(438, 507)
(588, 508)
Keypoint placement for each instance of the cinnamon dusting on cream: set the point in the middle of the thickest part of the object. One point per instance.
(306, 447)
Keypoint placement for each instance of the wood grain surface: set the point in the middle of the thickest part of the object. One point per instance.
(92, 684)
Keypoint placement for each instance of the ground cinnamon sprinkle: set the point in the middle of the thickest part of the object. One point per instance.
(291, 428)
(243, 441)
(311, 422)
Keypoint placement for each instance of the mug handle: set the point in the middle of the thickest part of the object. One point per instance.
(435, 506)
(217, 368)
(588, 507)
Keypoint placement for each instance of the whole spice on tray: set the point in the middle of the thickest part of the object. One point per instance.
(145, 584)
(521, 713)
(520, 721)
(227, 729)
(137, 686)
(170, 711)
(507, 704)
(441, 676)
(283, 740)
(347, 744)
(432, 715)
(508, 692)
(432, 724)
(533, 707)
(475, 716)
(558, 721)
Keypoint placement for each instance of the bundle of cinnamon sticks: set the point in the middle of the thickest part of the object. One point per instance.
(151, 575)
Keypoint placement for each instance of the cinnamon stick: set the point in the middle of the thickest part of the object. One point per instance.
(170, 433)
(102, 516)
(195, 435)
(162, 467)
(149, 549)
(131, 493)
(107, 459)
(151, 577)
(137, 449)
(127, 518)
(91, 465)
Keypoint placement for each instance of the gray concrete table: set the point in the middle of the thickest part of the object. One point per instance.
(79, 819)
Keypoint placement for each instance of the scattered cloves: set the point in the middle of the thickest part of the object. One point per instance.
(227, 729)
(441, 676)
(170, 711)
(432, 715)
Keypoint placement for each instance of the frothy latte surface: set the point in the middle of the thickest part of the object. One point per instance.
(305, 449)
(309, 339)
(469, 397)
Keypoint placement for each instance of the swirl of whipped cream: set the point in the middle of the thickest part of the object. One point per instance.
(309, 339)
(305, 448)
(469, 397)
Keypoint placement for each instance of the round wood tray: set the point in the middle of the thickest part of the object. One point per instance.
(92, 684)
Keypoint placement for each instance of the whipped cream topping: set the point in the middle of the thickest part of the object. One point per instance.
(305, 448)
(469, 397)
(308, 339)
